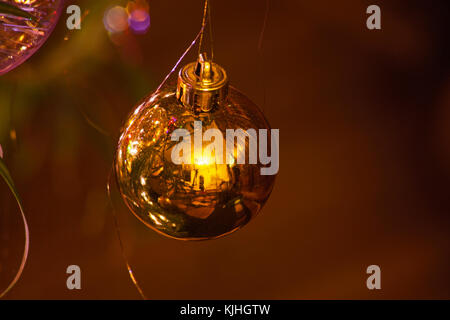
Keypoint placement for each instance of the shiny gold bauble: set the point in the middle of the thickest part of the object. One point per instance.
(203, 200)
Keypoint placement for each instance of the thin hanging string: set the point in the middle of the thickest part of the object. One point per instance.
(260, 52)
(92, 123)
(263, 30)
(179, 60)
(8, 179)
(211, 39)
(206, 13)
(122, 248)
(26, 246)
(206, 20)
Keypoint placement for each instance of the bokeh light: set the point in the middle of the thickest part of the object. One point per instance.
(116, 19)
(135, 16)
(139, 21)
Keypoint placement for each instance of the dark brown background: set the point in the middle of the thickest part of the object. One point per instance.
(364, 119)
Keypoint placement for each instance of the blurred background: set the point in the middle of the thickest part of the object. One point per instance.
(364, 119)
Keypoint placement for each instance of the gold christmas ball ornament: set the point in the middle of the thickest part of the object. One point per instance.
(179, 167)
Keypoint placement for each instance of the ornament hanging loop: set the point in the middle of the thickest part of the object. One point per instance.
(206, 21)
(203, 69)
(202, 85)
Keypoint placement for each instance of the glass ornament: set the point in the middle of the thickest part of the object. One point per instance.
(204, 199)
(24, 27)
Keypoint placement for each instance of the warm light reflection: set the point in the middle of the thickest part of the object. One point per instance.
(203, 199)
(25, 2)
(133, 148)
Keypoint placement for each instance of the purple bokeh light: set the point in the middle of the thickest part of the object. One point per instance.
(139, 21)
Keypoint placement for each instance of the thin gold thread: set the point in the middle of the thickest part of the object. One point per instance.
(204, 21)
(25, 251)
(119, 236)
(211, 39)
(5, 174)
(260, 52)
(181, 58)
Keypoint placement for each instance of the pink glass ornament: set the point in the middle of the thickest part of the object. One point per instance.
(24, 27)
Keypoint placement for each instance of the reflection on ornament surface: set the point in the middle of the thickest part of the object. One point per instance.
(24, 26)
(202, 200)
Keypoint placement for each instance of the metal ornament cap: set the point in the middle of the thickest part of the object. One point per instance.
(202, 85)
